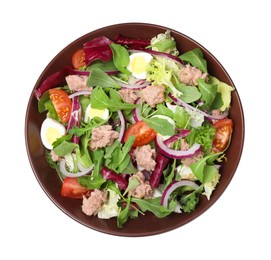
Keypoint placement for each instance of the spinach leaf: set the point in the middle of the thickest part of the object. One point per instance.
(120, 57)
(99, 78)
(195, 58)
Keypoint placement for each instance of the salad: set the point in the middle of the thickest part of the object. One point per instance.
(135, 126)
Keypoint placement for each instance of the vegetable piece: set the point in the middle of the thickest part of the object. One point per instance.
(62, 104)
(120, 57)
(222, 134)
(78, 59)
(97, 49)
(161, 162)
(130, 42)
(190, 201)
(175, 154)
(185, 105)
(142, 132)
(75, 117)
(183, 133)
(82, 171)
(72, 189)
(173, 186)
(122, 126)
(120, 179)
(195, 58)
(53, 80)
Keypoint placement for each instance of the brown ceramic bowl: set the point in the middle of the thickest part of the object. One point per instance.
(147, 224)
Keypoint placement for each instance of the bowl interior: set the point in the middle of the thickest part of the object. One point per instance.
(147, 224)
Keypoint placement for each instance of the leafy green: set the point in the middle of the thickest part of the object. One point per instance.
(160, 125)
(99, 78)
(225, 91)
(158, 73)
(191, 200)
(164, 42)
(51, 110)
(200, 168)
(117, 156)
(190, 93)
(133, 182)
(181, 117)
(195, 58)
(100, 100)
(208, 92)
(203, 135)
(120, 57)
(154, 205)
(91, 183)
(124, 214)
(43, 99)
(98, 159)
(163, 110)
(103, 65)
(65, 148)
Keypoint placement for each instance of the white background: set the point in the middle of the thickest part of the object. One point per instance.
(237, 33)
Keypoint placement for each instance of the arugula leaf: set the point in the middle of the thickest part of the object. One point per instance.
(124, 214)
(208, 92)
(133, 182)
(163, 110)
(98, 158)
(154, 206)
(103, 65)
(198, 168)
(99, 78)
(117, 156)
(100, 100)
(90, 182)
(41, 103)
(120, 57)
(65, 148)
(160, 125)
(195, 58)
(181, 117)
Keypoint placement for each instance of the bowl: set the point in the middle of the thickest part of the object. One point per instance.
(148, 224)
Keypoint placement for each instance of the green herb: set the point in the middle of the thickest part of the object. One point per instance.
(191, 200)
(203, 135)
(195, 58)
(120, 57)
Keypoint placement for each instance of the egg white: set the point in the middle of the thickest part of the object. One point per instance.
(138, 64)
(93, 112)
(50, 131)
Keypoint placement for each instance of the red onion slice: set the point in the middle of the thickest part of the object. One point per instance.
(136, 112)
(79, 93)
(185, 105)
(176, 154)
(122, 126)
(173, 186)
(82, 171)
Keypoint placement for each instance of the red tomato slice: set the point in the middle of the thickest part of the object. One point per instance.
(222, 135)
(72, 189)
(78, 59)
(142, 132)
(62, 104)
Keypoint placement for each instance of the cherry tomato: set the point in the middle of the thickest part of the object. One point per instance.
(78, 59)
(62, 104)
(142, 132)
(71, 188)
(222, 134)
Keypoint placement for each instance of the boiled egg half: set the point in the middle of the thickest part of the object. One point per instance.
(93, 112)
(138, 64)
(50, 131)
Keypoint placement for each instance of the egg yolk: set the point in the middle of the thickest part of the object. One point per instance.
(138, 65)
(52, 134)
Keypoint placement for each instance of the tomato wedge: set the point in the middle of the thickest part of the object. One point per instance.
(142, 132)
(222, 135)
(71, 188)
(62, 104)
(78, 59)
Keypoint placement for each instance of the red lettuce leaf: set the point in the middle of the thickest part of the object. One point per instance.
(132, 43)
(98, 48)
